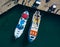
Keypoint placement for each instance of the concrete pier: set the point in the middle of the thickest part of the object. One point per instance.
(45, 6)
(6, 5)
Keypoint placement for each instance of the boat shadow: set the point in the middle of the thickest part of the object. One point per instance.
(25, 41)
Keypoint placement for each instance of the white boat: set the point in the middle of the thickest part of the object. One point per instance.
(21, 24)
(33, 31)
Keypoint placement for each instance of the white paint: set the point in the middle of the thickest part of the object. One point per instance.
(37, 2)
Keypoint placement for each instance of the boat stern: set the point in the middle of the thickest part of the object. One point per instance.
(18, 33)
(32, 35)
(31, 38)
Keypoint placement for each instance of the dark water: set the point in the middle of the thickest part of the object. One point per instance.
(48, 34)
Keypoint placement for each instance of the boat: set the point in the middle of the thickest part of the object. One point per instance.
(36, 3)
(21, 24)
(33, 31)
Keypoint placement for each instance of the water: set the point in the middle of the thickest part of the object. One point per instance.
(48, 34)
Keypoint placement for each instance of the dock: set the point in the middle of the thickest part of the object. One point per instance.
(5, 5)
(8, 4)
(45, 6)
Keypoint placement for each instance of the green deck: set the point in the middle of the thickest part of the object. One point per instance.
(48, 34)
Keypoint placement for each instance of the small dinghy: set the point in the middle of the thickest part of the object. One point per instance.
(32, 34)
(21, 24)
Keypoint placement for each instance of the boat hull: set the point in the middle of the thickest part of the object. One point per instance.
(33, 31)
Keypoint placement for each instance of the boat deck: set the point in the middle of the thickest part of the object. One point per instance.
(45, 6)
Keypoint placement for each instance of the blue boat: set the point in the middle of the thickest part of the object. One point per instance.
(21, 24)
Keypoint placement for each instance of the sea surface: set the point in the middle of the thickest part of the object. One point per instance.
(48, 33)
